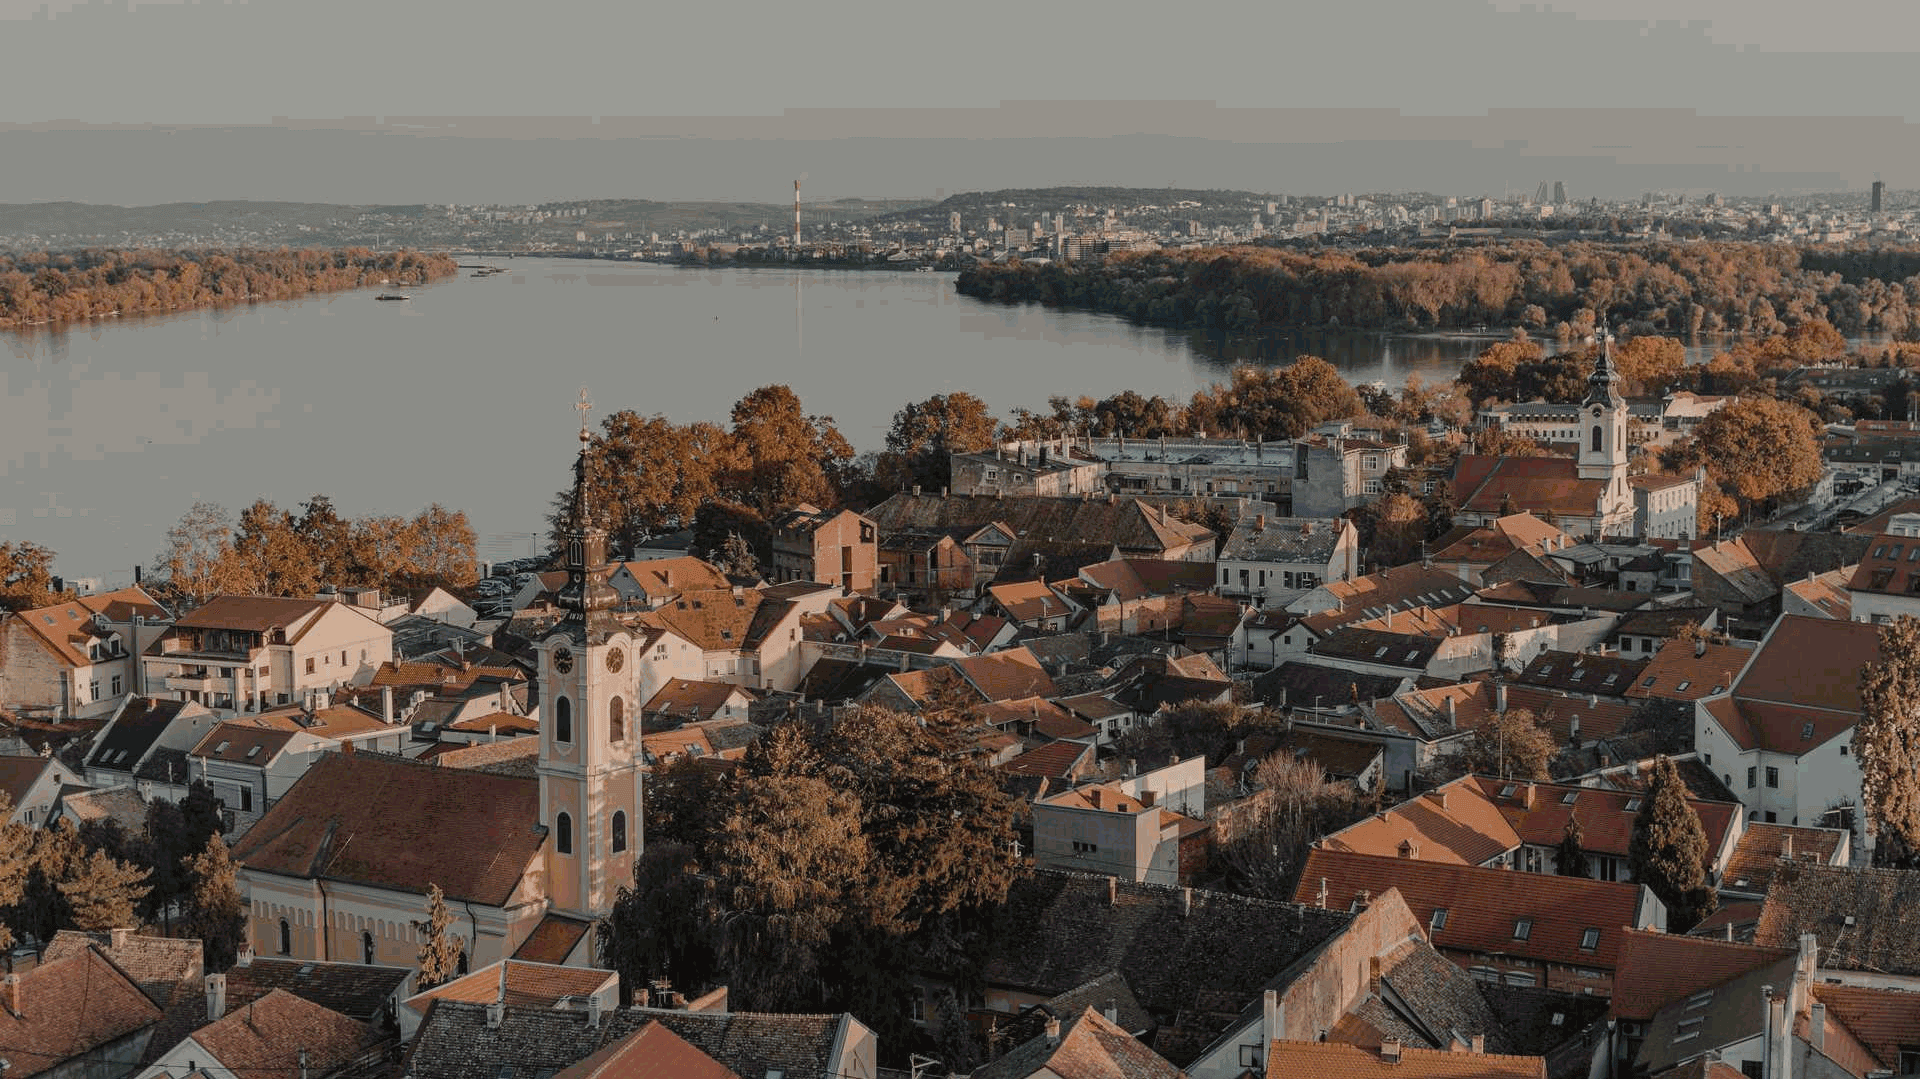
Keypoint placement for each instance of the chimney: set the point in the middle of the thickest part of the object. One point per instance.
(1186, 902)
(386, 703)
(1779, 1055)
(1817, 1026)
(1699, 649)
(1479, 1043)
(119, 938)
(1390, 1050)
(1500, 698)
(245, 956)
(10, 993)
(593, 1012)
(216, 997)
(1111, 1012)
(1113, 891)
(1259, 522)
(1786, 847)
(1527, 798)
(1270, 1017)
(1809, 958)
(1453, 723)
(495, 1012)
(303, 1063)
(1053, 1030)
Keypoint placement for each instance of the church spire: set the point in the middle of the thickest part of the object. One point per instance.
(586, 594)
(1603, 385)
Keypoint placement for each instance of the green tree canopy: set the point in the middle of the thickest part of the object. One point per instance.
(1668, 850)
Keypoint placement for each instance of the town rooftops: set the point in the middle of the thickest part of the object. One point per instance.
(65, 629)
(1409, 651)
(1719, 1014)
(1129, 524)
(240, 743)
(1539, 814)
(254, 614)
(355, 990)
(1552, 919)
(1579, 672)
(1284, 539)
(651, 1051)
(1136, 578)
(553, 940)
(520, 983)
(1534, 484)
(1456, 823)
(1825, 592)
(279, 1033)
(664, 577)
(379, 820)
(139, 724)
(1061, 930)
(1398, 588)
(1086, 1046)
(125, 604)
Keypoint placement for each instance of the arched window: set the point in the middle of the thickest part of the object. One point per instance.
(619, 830)
(563, 834)
(366, 948)
(286, 938)
(462, 968)
(616, 720)
(562, 720)
(1596, 438)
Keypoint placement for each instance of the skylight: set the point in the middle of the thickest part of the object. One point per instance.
(1507, 791)
(1806, 733)
(252, 751)
(1683, 685)
(1522, 928)
(1633, 805)
(1567, 798)
(1590, 939)
(1439, 921)
(221, 748)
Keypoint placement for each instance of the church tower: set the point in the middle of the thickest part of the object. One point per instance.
(1603, 441)
(589, 765)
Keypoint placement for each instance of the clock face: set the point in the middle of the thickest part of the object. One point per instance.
(563, 659)
(616, 659)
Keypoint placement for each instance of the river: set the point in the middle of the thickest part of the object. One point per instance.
(464, 395)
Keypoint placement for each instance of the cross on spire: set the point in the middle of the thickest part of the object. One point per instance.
(582, 406)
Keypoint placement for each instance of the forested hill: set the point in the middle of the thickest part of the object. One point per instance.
(41, 287)
(1657, 288)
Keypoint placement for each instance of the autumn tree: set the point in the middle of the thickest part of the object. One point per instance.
(54, 857)
(198, 560)
(101, 893)
(16, 860)
(1668, 850)
(443, 549)
(214, 911)
(439, 958)
(1295, 805)
(659, 926)
(925, 433)
(1512, 745)
(784, 456)
(1886, 743)
(26, 577)
(1569, 857)
(276, 559)
(1275, 403)
(1758, 450)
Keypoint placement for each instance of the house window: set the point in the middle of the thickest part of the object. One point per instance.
(93, 690)
(309, 664)
(1522, 928)
(286, 938)
(619, 830)
(1372, 487)
(1438, 921)
(562, 720)
(1753, 778)
(246, 799)
(1370, 462)
(1773, 777)
(1250, 1056)
(116, 685)
(366, 948)
(563, 834)
(616, 720)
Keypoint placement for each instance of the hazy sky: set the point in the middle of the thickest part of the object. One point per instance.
(1494, 73)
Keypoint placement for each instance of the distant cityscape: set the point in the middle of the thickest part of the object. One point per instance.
(1060, 223)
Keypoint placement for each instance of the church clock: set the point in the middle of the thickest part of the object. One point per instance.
(563, 659)
(616, 659)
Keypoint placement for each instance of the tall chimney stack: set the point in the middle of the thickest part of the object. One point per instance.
(796, 213)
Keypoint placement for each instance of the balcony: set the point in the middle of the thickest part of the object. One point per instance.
(203, 683)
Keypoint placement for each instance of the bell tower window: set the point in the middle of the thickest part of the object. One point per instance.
(562, 720)
(616, 720)
(563, 834)
(620, 830)
(1596, 438)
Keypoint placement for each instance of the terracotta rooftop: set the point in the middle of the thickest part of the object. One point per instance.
(1089, 1046)
(1655, 969)
(242, 743)
(1548, 920)
(380, 820)
(1055, 760)
(1009, 674)
(652, 1052)
(1533, 484)
(1332, 1060)
(255, 614)
(1884, 1020)
(1605, 816)
(1814, 662)
(1762, 846)
(69, 1008)
(65, 629)
(553, 939)
(355, 990)
(1581, 672)
(525, 984)
(1688, 670)
(1456, 823)
(279, 1032)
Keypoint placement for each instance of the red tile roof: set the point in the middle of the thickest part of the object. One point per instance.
(280, 1033)
(552, 940)
(1884, 1020)
(1534, 484)
(1011, 674)
(252, 613)
(392, 823)
(1758, 854)
(1606, 816)
(525, 984)
(1055, 760)
(1811, 661)
(1655, 969)
(1332, 1060)
(1702, 669)
(652, 1052)
(1485, 906)
(1456, 823)
(71, 1008)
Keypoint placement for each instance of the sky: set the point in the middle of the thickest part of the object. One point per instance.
(1758, 93)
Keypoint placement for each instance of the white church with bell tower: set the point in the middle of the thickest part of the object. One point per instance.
(590, 758)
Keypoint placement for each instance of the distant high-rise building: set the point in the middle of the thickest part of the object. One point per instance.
(1879, 189)
(1559, 192)
(1059, 224)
